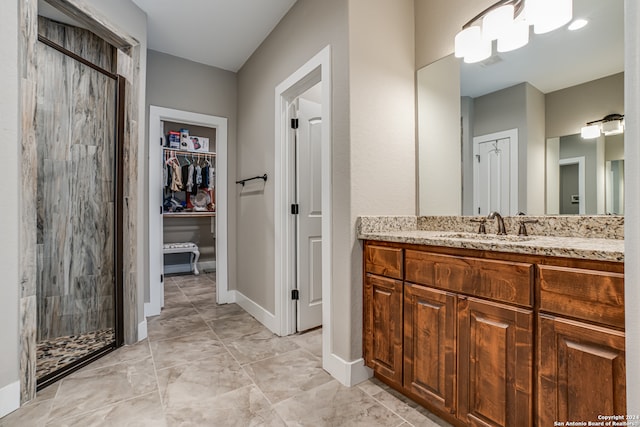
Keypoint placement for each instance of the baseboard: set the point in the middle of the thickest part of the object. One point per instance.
(9, 398)
(150, 310)
(348, 373)
(142, 329)
(206, 265)
(257, 311)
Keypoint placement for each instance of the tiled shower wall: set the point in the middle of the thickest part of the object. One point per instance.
(128, 66)
(75, 131)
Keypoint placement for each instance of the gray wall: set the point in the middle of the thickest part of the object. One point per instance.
(575, 146)
(567, 110)
(518, 107)
(177, 83)
(10, 224)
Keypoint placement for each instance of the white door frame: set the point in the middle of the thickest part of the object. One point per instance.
(156, 288)
(581, 177)
(317, 69)
(514, 178)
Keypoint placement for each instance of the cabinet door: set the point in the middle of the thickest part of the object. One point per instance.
(494, 364)
(429, 345)
(383, 326)
(581, 371)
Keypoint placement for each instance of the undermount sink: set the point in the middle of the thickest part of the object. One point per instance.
(476, 236)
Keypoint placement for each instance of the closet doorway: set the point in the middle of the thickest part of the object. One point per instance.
(79, 135)
(158, 117)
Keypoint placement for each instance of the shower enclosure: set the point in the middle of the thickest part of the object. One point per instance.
(79, 121)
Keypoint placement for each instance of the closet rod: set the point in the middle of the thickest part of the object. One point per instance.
(170, 151)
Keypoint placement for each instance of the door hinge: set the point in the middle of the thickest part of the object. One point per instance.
(294, 123)
(295, 209)
(161, 278)
(478, 157)
(295, 295)
(160, 210)
(161, 142)
(478, 211)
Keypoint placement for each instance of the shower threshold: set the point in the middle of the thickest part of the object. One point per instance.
(56, 354)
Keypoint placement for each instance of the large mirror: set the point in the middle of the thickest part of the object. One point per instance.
(504, 134)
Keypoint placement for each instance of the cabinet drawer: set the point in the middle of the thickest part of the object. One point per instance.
(594, 296)
(504, 281)
(383, 260)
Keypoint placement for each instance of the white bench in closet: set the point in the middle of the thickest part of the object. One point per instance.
(179, 248)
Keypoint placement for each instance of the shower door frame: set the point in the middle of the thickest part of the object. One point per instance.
(118, 294)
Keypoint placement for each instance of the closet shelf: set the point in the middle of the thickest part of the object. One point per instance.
(188, 214)
(179, 152)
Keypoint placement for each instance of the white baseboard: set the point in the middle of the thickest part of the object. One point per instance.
(206, 265)
(348, 373)
(150, 310)
(9, 398)
(261, 315)
(142, 329)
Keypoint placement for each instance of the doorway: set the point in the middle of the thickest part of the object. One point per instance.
(572, 186)
(495, 171)
(287, 94)
(157, 117)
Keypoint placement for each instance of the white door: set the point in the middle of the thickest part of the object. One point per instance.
(309, 219)
(496, 174)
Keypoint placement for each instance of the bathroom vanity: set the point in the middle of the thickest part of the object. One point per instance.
(497, 330)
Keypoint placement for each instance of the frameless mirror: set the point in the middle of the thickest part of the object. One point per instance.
(504, 134)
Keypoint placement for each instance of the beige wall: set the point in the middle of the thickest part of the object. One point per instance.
(181, 84)
(382, 111)
(307, 28)
(10, 223)
(372, 139)
(567, 110)
(535, 159)
(439, 155)
(437, 22)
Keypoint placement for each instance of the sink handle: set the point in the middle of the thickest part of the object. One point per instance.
(523, 228)
(481, 228)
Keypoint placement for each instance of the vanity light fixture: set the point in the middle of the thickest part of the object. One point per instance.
(612, 124)
(508, 21)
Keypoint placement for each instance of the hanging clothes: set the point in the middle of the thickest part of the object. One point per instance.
(212, 178)
(176, 176)
(205, 178)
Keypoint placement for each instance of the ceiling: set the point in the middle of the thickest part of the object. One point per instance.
(220, 33)
(558, 59)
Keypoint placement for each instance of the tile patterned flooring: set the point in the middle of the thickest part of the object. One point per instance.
(214, 365)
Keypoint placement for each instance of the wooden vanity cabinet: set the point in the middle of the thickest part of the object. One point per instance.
(581, 344)
(456, 332)
(430, 346)
(382, 314)
(495, 364)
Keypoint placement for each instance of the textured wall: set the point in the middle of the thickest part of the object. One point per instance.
(75, 124)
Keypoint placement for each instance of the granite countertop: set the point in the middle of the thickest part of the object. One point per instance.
(593, 248)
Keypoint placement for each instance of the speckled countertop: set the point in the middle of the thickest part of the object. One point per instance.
(459, 232)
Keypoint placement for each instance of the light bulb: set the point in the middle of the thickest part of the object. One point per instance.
(590, 131)
(497, 22)
(480, 51)
(516, 36)
(465, 41)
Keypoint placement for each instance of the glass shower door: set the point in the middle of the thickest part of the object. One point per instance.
(76, 186)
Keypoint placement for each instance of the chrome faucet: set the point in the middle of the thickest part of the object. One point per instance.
(501, 229)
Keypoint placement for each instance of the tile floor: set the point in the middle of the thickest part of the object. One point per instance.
(210, 365)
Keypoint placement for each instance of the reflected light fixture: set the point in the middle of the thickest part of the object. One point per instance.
(577, 24)
(508, 22)
(612, 124)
